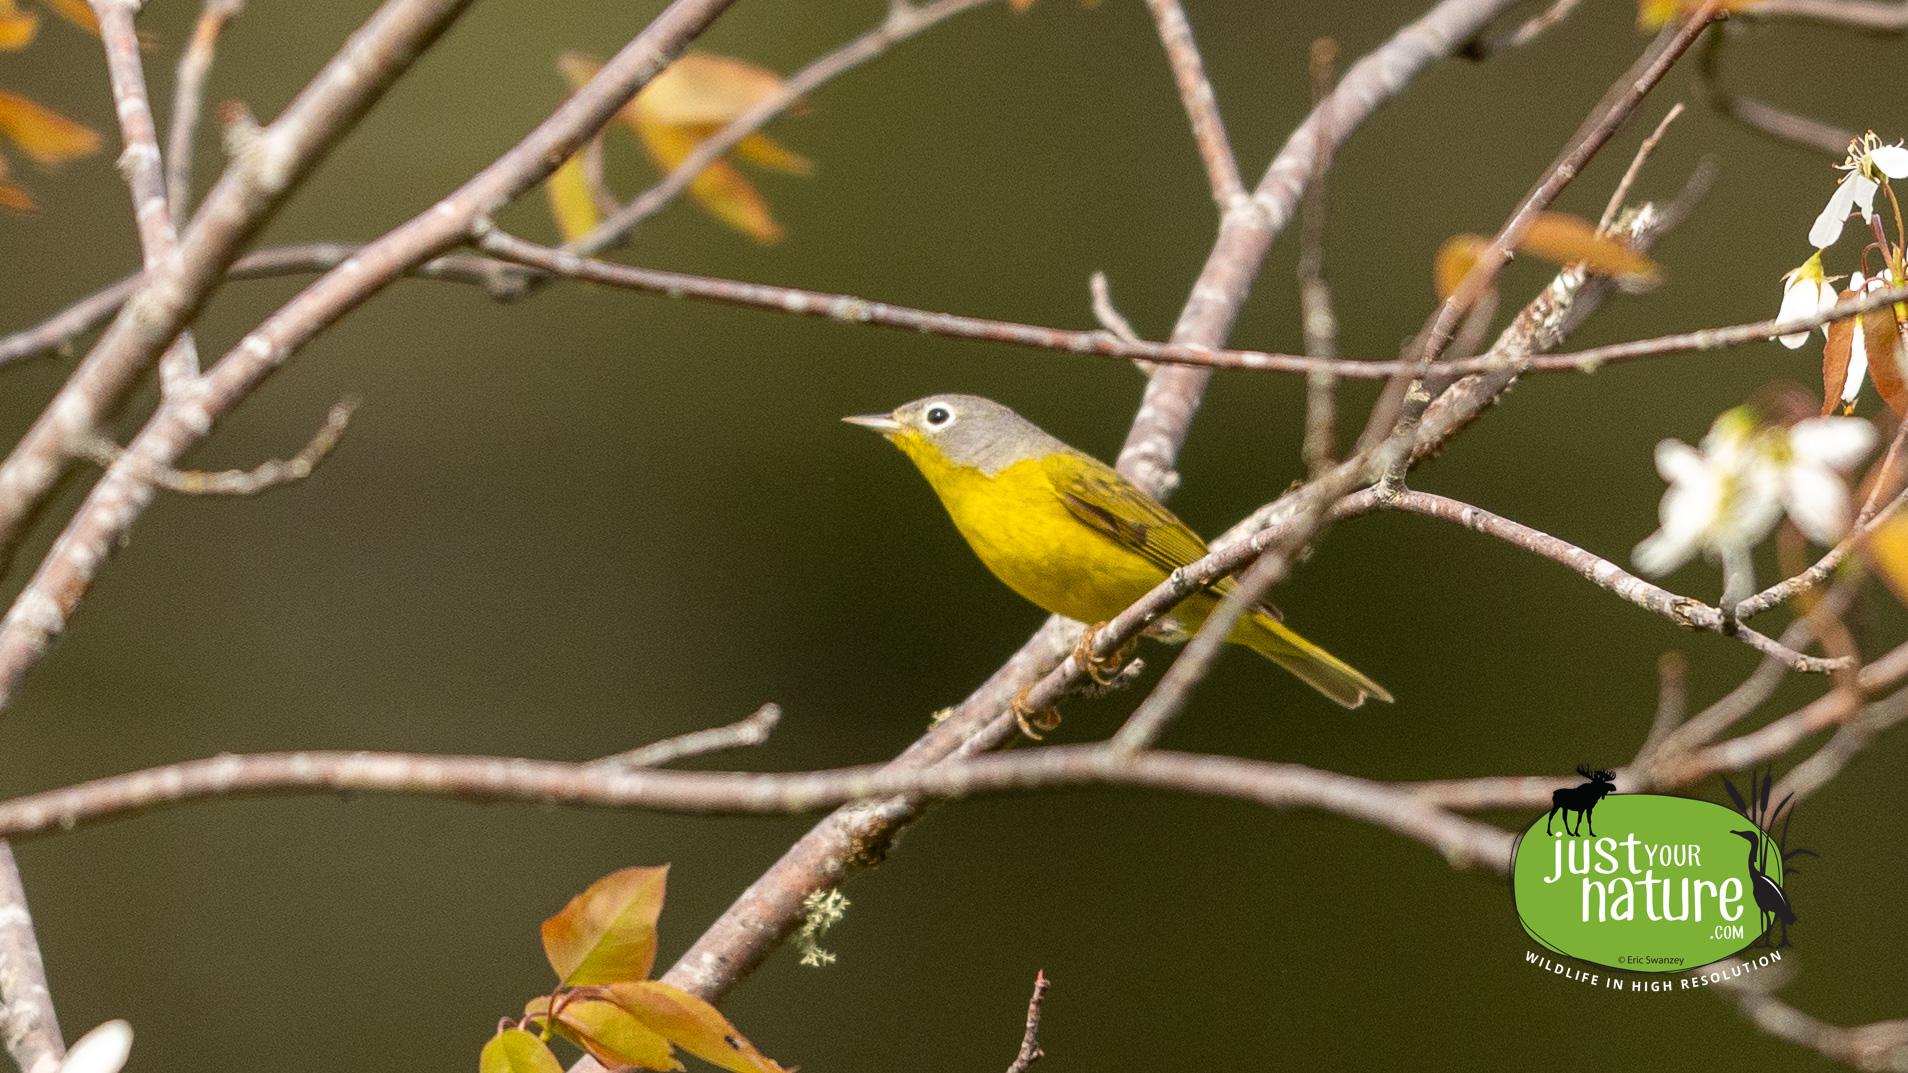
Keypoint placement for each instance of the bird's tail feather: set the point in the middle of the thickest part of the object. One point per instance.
(1313, 665)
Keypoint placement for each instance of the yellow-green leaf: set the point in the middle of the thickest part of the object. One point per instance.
(43, 134)
(607, 934)
(611, 1034)
(571, 201)
(720, 189)
(692, 1024)
(763, 151)
(515, 1051)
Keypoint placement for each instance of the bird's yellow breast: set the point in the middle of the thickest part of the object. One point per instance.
(1017, 524)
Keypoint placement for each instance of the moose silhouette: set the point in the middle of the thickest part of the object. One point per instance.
(1581, 800)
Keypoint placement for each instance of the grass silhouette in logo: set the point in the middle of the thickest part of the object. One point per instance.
(1581, 800)
(1770, 896)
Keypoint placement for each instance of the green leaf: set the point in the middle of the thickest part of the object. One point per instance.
(607, 934)
(515, 1051)
(692, 1024)
(610, 1033)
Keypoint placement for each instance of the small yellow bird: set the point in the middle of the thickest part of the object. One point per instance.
(1069, 533)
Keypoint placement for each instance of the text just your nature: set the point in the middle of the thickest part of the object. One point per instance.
(1616, 897)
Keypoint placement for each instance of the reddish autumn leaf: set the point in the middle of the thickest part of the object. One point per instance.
(43, 134)
(692, 1024)
(681, 108)
(611, 1034)
(1881, 341)
(607, 934)
(515, 1051)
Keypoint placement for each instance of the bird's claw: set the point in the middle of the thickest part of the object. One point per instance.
(1102, 670)
(1034, 722)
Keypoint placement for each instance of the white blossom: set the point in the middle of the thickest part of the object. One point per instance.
(1867, 161)
(1726, 497)
(1805, 292)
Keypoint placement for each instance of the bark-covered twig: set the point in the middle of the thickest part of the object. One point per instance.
(1317, 322)
(1642, 157)
(1463, 841)
(27, 1018)
(1879, 16)
(1202, 106)
(750, 731)
(503, 280)
(1880, 1045)
(904, 20)
(102, 451)
(1030, 1051)
(1682, 610)
(188, 100)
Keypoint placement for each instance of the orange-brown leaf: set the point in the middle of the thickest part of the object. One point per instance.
(1454, 261)
(515, 1051)
(611, 1034)
(1835, 355)
(1561, 238)
(1882, 343)
(571, 201)
(17, 28)
(43, 134)
(607, 934)
(77, 12)
(719, 188)
(691, 1024)
(13, 196)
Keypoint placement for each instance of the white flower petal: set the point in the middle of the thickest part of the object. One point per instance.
(1857, 363)
(103, 1050)
(1803, 298)
(1678, 462)
(1892, 160)
(1836, 442)
(1828, 225)
(1817, 502)
(1660, 553)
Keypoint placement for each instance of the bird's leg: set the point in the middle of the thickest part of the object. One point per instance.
(1102, 670)
(1034, 722)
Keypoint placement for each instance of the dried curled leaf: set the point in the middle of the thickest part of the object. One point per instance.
(607, 934)
(682, 107)
(515, 1051)
(43, 134)
(571, 201)
(692, 1024)
(1880, 341)
(1559, 238)
(611, 1034)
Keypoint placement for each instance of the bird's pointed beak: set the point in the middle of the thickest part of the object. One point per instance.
(881, 423)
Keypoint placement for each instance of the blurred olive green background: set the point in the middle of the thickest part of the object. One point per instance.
(572, 525)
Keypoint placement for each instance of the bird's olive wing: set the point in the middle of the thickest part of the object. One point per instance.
(1097, 495)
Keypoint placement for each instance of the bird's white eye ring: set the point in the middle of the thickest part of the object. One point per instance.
(938, 416)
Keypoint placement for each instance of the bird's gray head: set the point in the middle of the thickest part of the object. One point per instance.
(964, 430)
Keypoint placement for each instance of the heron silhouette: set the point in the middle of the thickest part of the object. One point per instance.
(1769, 897)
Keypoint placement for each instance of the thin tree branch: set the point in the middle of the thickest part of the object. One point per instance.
(1880, 1045)
(1872, 15)
(1464, 842)
(1317, 321)
(1765, 118)
(754, 730)
(1202, 106)
(1030, 1051)
(904, 20)
(102, 451)
(188, 100)
(27, 1018)
(1642, 157)
(1532, 28)
(1682, 610)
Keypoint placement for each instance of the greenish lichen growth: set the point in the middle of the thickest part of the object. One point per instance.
(821, 910)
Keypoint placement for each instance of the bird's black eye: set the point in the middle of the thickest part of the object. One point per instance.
(938, 416)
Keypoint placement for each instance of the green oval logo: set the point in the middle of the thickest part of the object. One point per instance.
(1646, 883)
